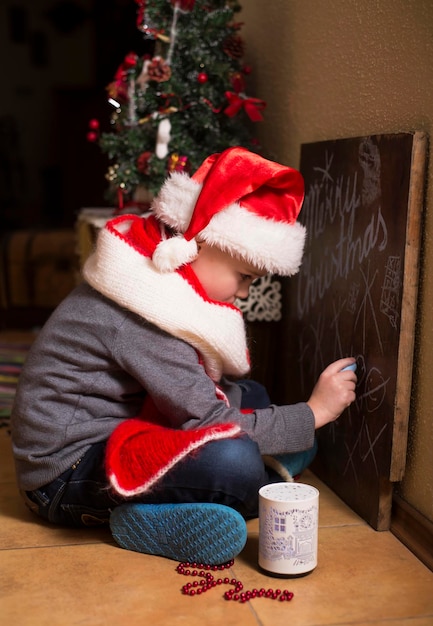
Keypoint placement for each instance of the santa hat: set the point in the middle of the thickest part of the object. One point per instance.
(239, 202)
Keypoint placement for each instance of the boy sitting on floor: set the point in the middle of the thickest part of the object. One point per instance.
(129, 408)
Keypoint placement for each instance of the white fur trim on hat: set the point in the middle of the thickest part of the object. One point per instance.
(174, 205)
(276, 247)
(172, 253)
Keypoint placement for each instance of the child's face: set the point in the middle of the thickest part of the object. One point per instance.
(223, 277)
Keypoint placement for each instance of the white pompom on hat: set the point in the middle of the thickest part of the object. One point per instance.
(239, 202)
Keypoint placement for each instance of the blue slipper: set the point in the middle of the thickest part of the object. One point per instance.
(290, 466)
(202, 533)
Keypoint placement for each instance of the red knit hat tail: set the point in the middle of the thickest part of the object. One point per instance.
(140, 453)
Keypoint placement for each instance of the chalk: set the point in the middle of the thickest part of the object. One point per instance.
(351, 367)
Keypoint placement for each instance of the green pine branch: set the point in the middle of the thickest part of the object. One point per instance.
(192, 96)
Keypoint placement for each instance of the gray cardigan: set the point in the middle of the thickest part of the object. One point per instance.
(91, 367)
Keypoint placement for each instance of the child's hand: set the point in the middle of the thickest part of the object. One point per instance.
(333, 392)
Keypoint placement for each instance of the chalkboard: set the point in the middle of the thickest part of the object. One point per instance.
(355, 295)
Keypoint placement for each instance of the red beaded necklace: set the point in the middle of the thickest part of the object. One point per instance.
(208, 581)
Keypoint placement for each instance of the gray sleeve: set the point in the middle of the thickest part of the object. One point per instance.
(91, 367)
(170, 371)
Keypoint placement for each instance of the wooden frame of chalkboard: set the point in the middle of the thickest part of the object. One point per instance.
(356, 294)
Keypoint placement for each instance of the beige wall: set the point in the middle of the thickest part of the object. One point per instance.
(340, 68)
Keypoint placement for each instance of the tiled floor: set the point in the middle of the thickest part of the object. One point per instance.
(63, 577)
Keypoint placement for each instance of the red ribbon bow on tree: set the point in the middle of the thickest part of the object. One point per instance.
(183, 5)
(251, 106)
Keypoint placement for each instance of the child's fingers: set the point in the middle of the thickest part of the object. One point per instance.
(343, 364)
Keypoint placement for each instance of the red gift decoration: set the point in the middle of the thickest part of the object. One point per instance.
(251, 106)
(130, 61)
(143, 162)
(237, 81)
(183, 5)
(177, 163)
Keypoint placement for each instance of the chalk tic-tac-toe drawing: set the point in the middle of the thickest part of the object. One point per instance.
(352, 297)
(390, 300)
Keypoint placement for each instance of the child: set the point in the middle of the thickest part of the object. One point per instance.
(128, 410)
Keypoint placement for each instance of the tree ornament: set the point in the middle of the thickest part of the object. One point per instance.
(143, 162)
(130, 61)
(141, 20)
(183, 5)
(118, 89)
(202, 78)
(251, 106)
(237, 81)
(140, 13)
(162, 139)
(92, 136)
(94, 124)
(234, 46)
(158, 70)
(177, 163)
(93, 133)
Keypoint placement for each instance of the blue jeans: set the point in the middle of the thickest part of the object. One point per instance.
(228, 471)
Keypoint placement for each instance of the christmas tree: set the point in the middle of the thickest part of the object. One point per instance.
(182, 101)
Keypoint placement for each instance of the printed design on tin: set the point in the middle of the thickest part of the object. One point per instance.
(289, 534)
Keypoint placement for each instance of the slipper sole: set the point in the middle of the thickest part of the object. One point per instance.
(202, 533)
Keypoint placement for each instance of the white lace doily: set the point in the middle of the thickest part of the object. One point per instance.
(264, 301)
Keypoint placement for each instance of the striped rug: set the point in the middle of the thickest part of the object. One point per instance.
(12, 357)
